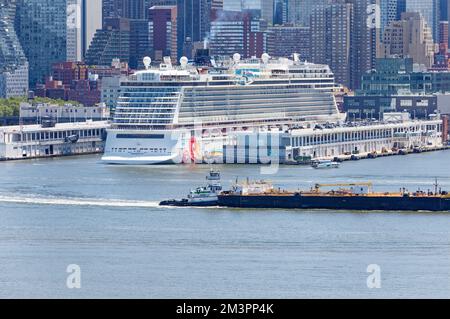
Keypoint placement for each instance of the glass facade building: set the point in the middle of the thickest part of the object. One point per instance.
(13, 63)
(193, 24)
(41, 26)
(430, 10)
(396, 76)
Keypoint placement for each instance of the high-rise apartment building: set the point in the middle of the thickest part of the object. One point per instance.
(409, 37)
(237, 32)
(281, 12)
(131, 9)
(401, 7)
(443, 10)
(300, 11)
(91, 21)
(388, 11)
(345, 35)
(49, 32)
(193, 24)
(120, 38)
(365, 35)
(430, 10)
(331, 28)
(217, 4)
(112, 9)
(163, 32)
(111, 42)
(13, 63)
(285, 40)
(266, 7)
(152, 3)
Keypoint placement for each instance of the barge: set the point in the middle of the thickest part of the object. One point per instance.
(357, 196)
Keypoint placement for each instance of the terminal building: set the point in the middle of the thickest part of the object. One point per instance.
(39, 141)
(37, 112)
(395, 133)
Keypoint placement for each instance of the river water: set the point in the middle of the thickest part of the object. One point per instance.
(106, 220)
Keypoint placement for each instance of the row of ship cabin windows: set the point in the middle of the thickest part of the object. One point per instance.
(59, 111)
(152, 150)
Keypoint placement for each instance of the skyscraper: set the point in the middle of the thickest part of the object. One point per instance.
(237, 32)
(217, 4)
(401, 7)
(135, 9)
(281, 12)
(111, 42)
(429, 10)
(13, 63)
(443, 9)
(193, 24)
(112, 9)
(300, 10)
(163, 32)
(265, 6)
(345, 35)
(91, 22)
(331, 29)
(409, 37)
(365, 35)
(46, 32)
(132, 9)
(120, 38)
(152, 3)
(283, 41)
(388, 12)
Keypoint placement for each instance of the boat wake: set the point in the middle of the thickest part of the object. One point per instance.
(76, 201)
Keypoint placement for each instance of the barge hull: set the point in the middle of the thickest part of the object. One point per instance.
(336, 202)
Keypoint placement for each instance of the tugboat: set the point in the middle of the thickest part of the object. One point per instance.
(202, 196)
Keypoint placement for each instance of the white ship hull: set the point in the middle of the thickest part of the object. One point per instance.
(185, 147)
(138, 160)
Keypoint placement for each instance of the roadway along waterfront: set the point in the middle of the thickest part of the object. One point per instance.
(106, 219)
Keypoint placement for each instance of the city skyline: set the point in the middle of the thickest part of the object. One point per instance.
(76, 30)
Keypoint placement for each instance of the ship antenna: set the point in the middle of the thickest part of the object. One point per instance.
(436, 185)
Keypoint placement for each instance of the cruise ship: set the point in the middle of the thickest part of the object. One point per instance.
(187, 113)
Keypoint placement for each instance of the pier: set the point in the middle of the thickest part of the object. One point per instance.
(367, 140)
(52, 140)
